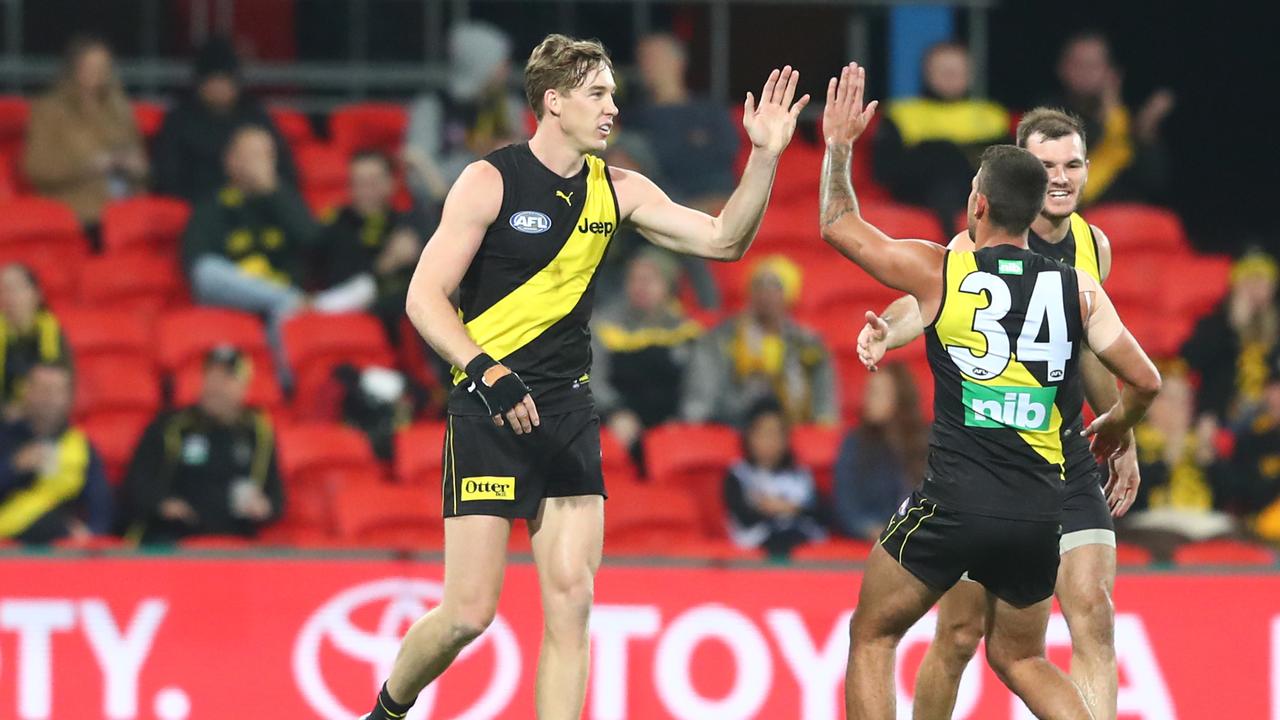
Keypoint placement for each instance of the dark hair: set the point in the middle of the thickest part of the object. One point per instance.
(905, 435)
(561, 63)
(376, 156)
(759, 410)
(1088, 34)
(1052, 123)
(1014, 182)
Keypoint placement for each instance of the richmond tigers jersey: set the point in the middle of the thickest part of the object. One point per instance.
(528, 294)
(1004, 351)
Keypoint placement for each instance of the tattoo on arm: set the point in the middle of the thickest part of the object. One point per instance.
(837, 188)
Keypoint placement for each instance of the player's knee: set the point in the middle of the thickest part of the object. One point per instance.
(1003, 658)
(469, 624)
(569, 596)
(1091, 616)
(958, 640)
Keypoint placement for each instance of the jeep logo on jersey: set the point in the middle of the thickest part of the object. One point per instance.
(1020, 408)
(531, 222)
(599, 228)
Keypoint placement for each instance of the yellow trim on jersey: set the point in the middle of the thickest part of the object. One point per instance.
(954, 327)
(619, 339)
(61, 482)
(1086, 247)
(548, 296)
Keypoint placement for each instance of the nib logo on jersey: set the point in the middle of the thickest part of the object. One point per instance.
(1020, 408)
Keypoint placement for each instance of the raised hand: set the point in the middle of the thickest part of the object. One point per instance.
(844, 118)
(1109, 437)
(771, 124)
(873, 341)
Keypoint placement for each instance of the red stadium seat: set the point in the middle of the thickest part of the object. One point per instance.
(325, 201)
(852, 380)
(322, 168)
(41, 225)
(1224, 552)
(316, 343)
(1130, 555)
(8, 178)
(905, 221)
(834, 549)
(319, 447)
(382, 514)
(369, 126)
(816, 447)
(115, 436)
(419, 457)
(264, 390)
(799, 173)
(293, 126)
(184, 336)
(116, 384)
(696, 458)
(145, 284)
(1132, 226)
(149, 117)
(616, 463)
(57, 275)
(15, 110)
(651, 516)
(145, 223)
(1193, 286)
(101, 333)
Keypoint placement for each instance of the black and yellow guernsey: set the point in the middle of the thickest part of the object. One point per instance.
(527, 297)
(1004, 350)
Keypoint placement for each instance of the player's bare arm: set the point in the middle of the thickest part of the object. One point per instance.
(471, 206)
(1104, 252)
(912, 266)
(899, 323)
(1107, 336)
(726, 236)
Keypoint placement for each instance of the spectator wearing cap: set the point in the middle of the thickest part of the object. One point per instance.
(52, 482)
(195, 134)
(641, 346)
(694, 138)
(1230, 347)
(759, 353)
(29, 333)
(83, 145)
(926, 149)
(476, 114)
(209, 468)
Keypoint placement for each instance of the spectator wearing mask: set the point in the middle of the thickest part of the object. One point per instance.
(694, 139)
(926, 148)
(194, 137)
(1230, 347)
(1127, 160)
(476, 114)
(83, 146)
(1180, 466)
(762, 353)
(52, 482)
(772, 500)
(209, 468)
(641, 346)
(30, 333)
(883, 459)
(370, 248)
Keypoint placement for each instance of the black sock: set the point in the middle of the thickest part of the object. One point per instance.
(387, 709)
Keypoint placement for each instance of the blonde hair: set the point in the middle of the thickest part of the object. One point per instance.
(561, 63)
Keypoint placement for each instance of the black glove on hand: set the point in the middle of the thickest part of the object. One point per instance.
(503, 395)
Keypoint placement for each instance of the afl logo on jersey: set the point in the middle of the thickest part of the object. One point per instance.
(531, 222)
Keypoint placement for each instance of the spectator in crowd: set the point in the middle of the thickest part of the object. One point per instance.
(771, 499)
(1127, 160)
(1251, 487)
(30, 333)
(1180, 466)
(243, 247)
(196, 134)
(370, 249)
(926, 148)
(52, 482)
(1230, 347)
(209, 468)
(761, 353)
(694, 139)
(641, 346)
(476, 114)
(631, 151)
(83, 146)
(883, 459)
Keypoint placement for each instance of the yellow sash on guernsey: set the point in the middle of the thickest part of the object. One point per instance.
(548, 296)
(1086, 247)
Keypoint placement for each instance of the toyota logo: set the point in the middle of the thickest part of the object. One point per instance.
(388, 606)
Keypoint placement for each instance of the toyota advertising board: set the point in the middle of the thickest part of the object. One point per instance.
(176, 638)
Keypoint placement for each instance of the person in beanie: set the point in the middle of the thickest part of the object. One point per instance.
(194, 136)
